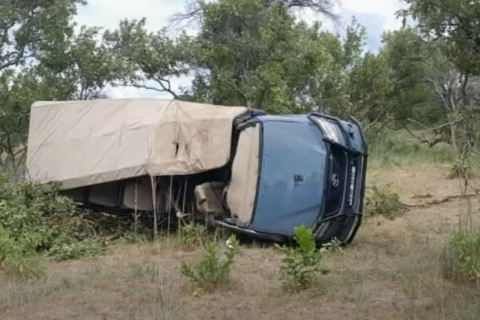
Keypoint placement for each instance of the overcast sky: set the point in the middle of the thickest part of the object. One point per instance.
(376, 15)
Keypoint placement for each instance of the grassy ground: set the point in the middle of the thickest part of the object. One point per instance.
(391, 271)
(397, 148)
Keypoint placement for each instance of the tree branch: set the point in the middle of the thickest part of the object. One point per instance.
(374, 122)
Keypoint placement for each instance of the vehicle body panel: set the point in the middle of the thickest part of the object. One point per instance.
(291, 181)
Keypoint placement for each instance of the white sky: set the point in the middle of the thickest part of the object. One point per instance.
(376, 15)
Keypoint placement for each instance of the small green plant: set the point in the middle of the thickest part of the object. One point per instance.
(460, 169)
(192, 234)
(302, 264)
(461, 257)
(383, 202)
(212, 271)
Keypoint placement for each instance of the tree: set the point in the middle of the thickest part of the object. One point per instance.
(455, 22)
(454, 25)
(83, 67)
(27, 27)
(42, 58)
(27, 30)
(430, 91)
(195, 11)
(257, 55)
(149, 57)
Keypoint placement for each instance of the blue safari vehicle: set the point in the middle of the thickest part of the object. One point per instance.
(311, 171)
(167, 160)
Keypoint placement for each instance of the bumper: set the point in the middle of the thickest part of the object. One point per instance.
(344, 223)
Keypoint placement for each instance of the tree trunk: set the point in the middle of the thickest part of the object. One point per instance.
(453, 136)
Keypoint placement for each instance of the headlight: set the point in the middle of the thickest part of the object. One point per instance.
(331, 130)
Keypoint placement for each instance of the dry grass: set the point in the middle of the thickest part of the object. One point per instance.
(391, 271)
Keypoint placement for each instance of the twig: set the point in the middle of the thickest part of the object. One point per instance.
(441, 201)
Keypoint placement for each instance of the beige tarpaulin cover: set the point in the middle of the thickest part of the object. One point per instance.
(81, 143)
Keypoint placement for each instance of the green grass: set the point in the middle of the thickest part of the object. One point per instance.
(392, 148)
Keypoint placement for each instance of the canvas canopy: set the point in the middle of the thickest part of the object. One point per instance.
(80, 143)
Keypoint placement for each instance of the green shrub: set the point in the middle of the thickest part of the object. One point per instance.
(35, 220)
(192, 234)
(18, 258)
(461, 257)
(212, 271)
(460, 169)
(302, 264)
(66, 249)
(383, 202)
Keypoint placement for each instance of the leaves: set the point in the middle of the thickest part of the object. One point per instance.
(35, 220)
(302, 265)
(29, 27)
(452, 21)
(42, 58)
(212, 271)
(149, 57)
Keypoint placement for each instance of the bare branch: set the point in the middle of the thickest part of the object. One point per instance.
(192, 15)
(166, 86)
(163, 87)
(374, 122)
(438, 128)
(431, 142)
(194, 11)
(418, 123)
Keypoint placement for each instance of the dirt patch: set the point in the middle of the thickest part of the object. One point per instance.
(417, 185)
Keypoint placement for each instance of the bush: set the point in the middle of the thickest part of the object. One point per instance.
(460, 169)
(66, 249)
(34, 219)
(383, 202)
(302, 264)
(461, 257)
(192, 234)
(212, 271)
(18, 258)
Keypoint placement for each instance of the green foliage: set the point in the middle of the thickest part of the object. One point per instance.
(29, 27)
(452, 21)
(149, 57)
(412, 95)
(391, 148)
(212, 271)
(35, 220)
(43, 58)
(461, 257)
(66, 248)
(381, 201)
(129, 233)
(302, 264)
(255, 53)
(460, 169)
(192, 235)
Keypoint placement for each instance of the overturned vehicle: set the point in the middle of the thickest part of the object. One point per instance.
(256, 174)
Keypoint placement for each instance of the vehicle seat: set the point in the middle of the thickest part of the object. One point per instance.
(242, 190)
(209, 197)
